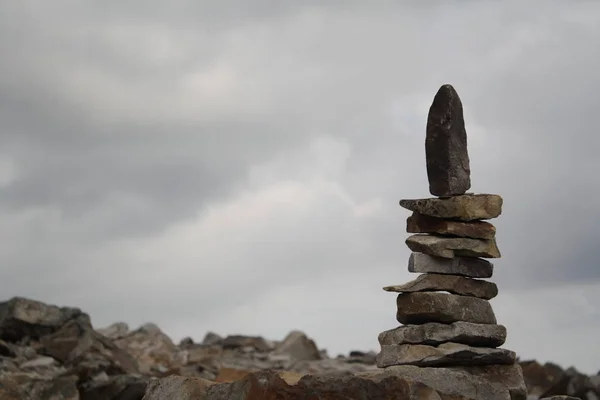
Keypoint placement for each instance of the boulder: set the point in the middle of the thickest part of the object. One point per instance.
(298, 347)
(177, 387)
(450, 247)
(212, 339)
(421, 223)
(446, 152)
(433, 333)
(493, 382)
(448, 283)
(22, 318)
(465, 266)
(239, 341)
(423, 307)
(446, 354)
(271, 385)
(151, 348)
(115, 331)
(468, 207)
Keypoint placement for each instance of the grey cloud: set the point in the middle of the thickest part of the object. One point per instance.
(128, 121)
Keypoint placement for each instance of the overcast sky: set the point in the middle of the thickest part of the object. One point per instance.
(236, 166)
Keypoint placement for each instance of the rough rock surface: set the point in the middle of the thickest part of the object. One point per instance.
(494, 382)
(420, 223)
(450, 247)
(446, 145)
(420, 308)
(465, 266)
(299, 347)
(448, 283)
(433, 333)
(446, 354)
(468, 207)
(61, 356)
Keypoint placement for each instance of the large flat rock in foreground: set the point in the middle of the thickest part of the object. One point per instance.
(421, 223)
(446, 152)
(448, 283)
(434, 333)
(494, 382)
(450, 247)
(467, 207)
(444, 355)
(420, 308)
(464, 266)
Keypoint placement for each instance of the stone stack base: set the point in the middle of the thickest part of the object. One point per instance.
(449, 338)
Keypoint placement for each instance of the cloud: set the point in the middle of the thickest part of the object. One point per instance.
(205, 166)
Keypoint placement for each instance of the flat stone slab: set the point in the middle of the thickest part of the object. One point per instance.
(421, 223)
(448, 283)
(433, 334)
(450, 247)
(422, 307)
(444, 355)
(465, 266)
(493, 382)
(446, 153)
(467, 207)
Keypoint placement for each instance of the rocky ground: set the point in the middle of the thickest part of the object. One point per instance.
(52, 353)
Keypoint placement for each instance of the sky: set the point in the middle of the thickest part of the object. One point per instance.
(236, 166)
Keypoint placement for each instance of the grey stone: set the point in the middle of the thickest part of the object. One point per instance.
(450, 247)
(493, 382)
(465, 266)
(446, 145)
(434, 333)
(468, 207)
(444, 355)
(299, 347)
(449, 283)
(423, 307)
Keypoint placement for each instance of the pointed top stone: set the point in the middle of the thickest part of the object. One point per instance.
(448, 168)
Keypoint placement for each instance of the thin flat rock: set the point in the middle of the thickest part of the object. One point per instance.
(446, 152)
(465, 266)
(434, 333)
(422, 307)
(421, 223)
(450, 247)
(444, 355)
(467, 207)
(448, 283)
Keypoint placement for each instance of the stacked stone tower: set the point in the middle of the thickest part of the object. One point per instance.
(447, 320)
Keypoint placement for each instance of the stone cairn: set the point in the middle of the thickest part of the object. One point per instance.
(447, 320)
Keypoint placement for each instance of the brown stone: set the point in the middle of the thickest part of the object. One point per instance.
(177, 387)
(272, 385)
(464, 266)
(467, 207)
(444, 355)
(449, 283)
(434, 333)
(421, 223)
(492, 382)
(450, 247)
(420, 308)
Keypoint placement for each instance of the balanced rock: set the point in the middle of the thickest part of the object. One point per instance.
(467, 207)
(450, 247)
(446, 145)
(448, 283)
(465, 266)
(493, 382)
(421, 223)
(420, 308)
(444, 355)
(434, 333)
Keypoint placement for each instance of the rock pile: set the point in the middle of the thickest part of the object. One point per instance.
(54, 353)
(447, 320)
